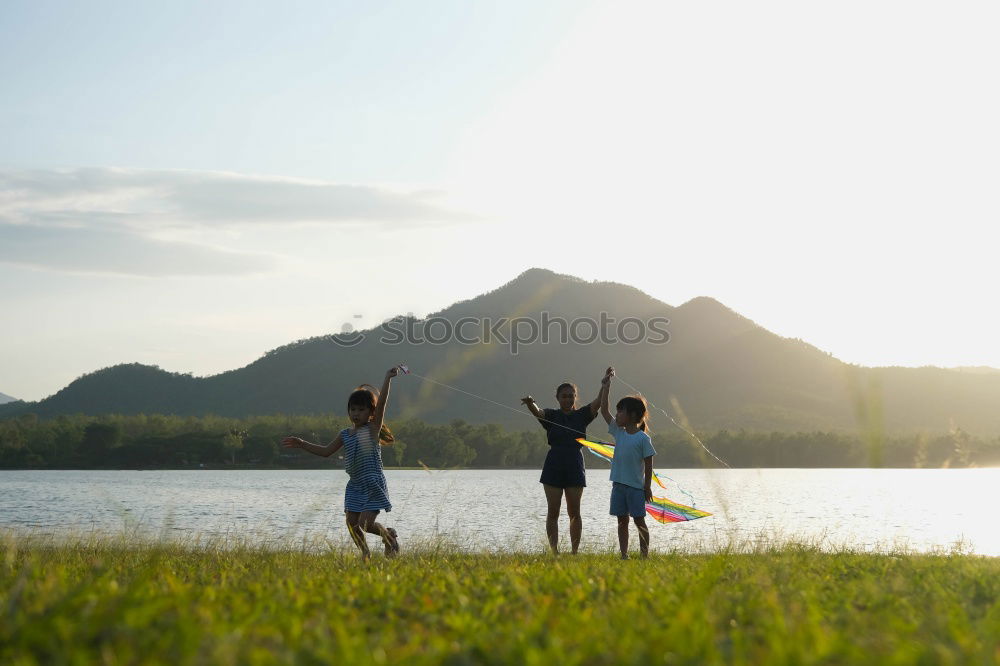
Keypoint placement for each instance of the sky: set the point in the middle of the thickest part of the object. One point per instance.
(191, 184)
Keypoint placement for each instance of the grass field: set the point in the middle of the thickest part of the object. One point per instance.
(117, 601)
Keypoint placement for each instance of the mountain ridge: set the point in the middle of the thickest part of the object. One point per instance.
(723, 370)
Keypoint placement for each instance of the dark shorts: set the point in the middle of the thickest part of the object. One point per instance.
(626, 500)
(564, 468)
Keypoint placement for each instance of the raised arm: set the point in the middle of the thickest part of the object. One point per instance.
(595, 406)
(532, 406)
(325, 450)
(383, 400)
(605, 391)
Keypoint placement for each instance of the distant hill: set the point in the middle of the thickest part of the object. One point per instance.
(978, 370)
(724, 371)
(4, 399)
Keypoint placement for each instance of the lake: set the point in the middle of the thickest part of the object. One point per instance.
(496, 510)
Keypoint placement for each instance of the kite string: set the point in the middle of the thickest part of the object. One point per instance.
(672, 420)
(603, 456)
(498, 404)
(518, 411)
(694, 503)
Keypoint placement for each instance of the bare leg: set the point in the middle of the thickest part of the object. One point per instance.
(553, 495)
(388, 535)
(357, 533)
(623, 535)
(640, 524)
(573, 497)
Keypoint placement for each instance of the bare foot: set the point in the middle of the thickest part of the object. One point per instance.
(391, 542)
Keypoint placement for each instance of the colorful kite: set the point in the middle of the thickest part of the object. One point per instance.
(667, 511)
(660, 508)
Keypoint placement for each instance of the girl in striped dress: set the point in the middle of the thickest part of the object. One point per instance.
(367, 492)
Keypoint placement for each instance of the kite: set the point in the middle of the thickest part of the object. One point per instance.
(660, 508)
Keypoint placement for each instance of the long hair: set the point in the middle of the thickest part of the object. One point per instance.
(366, 395)
(637, 410)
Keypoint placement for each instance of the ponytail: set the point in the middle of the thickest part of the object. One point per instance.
(385, 436)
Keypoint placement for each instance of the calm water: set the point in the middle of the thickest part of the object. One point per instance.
(505, 509)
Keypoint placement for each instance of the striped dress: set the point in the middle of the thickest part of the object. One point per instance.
(367, 489)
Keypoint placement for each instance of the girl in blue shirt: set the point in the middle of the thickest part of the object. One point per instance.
(632, 465)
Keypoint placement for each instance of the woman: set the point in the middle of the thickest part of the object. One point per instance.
(564, 471)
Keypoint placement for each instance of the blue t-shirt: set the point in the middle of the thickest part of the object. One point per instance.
(630, 450)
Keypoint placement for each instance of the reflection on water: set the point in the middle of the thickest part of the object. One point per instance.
(505, 509)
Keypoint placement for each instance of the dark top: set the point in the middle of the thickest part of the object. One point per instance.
(564, 466)
(570, 426)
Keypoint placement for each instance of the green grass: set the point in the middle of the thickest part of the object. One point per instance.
(122, 601)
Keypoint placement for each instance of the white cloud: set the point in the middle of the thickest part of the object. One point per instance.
(195, 198)
(82, 250)
(134, 221)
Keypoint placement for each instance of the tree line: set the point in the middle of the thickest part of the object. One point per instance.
(164, 441)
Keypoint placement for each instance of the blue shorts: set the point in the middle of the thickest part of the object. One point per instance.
(627, 500)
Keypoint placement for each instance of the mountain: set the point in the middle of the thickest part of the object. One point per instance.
(4, 399)
(978, 370)
(723, 370)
